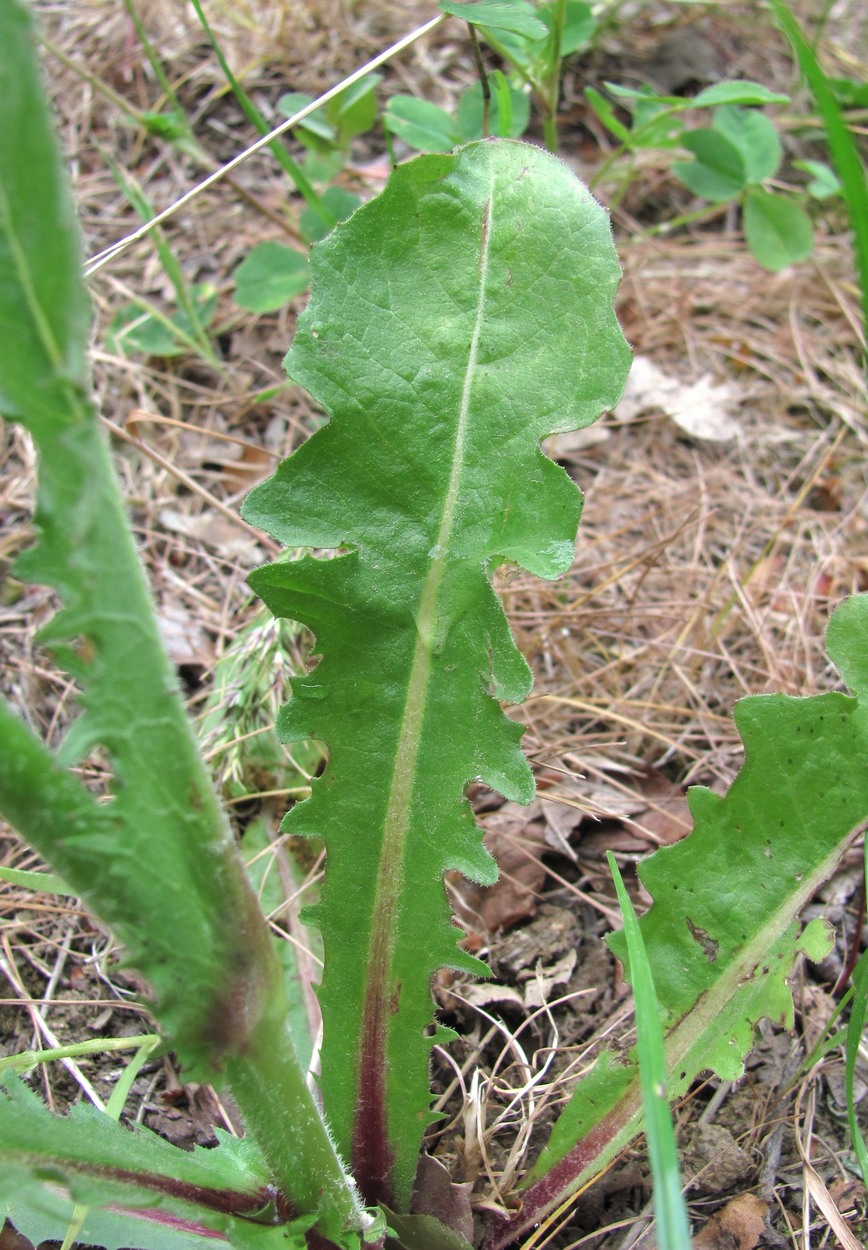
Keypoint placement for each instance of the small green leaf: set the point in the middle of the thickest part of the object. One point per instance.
(777, 230)
(316, 125)
(718, 173)
(468, 117)
(849, 93)
(270, 276)
(354, 110)
(737, 92)
(579, 24)
(422, 124)
(656, 123)
(517, 19)
(824, 181)
(340, 202)
(648, 94)
(170, 126)
(754, 136)
(607, 115)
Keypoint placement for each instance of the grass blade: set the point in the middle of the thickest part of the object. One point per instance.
(673, 1231)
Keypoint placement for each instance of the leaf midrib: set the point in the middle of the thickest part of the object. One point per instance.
(390, 874)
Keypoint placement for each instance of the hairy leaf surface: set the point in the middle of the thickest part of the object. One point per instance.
(139, 859)
(455, 321)
(157, 860)
(722, 933)
(92, 1159)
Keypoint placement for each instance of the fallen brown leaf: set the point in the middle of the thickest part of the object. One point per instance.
(516, 838)
(737, 1226)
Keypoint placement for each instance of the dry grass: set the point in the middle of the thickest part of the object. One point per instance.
(705, 571)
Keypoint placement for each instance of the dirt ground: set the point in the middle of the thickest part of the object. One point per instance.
(707, 569)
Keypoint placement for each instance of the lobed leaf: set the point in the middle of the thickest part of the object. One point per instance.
(270, 276)
(137, 859)
(91, 1159)
(454, 322)
(722, 933)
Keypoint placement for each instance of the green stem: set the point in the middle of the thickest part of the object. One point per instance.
(279, 1111)
(287, 164)
(553, 78)
(154, 61)
(706, 213)
(199, 340)
(26, 1060)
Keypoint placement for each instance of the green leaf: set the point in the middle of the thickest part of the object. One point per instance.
(824, 181)
(100, 1163)
(270, 276)
(354, 110)
(351, 112)
(105, 634)
(468, 117)
(778, 231)
(847, 92)
(718, 173)
(171, 125)
(36, 882)
(454, 322)
(647, 94)
(44, 310)
(516, 19)
(579, 24)
(422, 124)
(737, 92)
(315, 126)
(607, 115)
(754, 136)
(722, 933)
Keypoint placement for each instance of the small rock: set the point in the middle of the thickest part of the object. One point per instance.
(554, 932)
(715, 1159)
